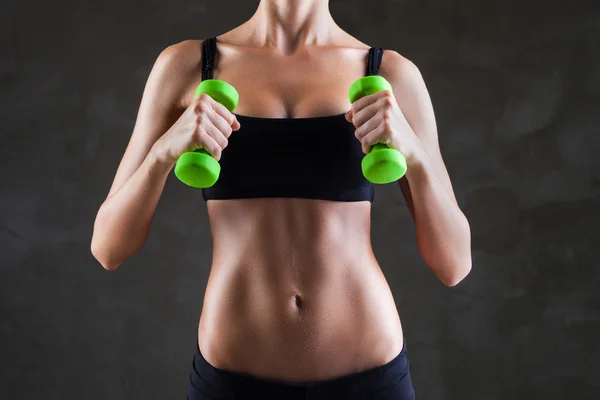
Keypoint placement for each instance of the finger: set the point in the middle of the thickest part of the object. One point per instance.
(348, 116)
(366, 114)
(216, 134)
(373, 137)
(224, 112)
(219, 108)
(368, 126)
(210, 145)
(236, 124)
(365, 101)
(221, 124)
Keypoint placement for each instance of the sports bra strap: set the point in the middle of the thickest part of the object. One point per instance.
(209, 50)
(375, 56)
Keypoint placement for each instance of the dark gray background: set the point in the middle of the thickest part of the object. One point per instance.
(516, 88)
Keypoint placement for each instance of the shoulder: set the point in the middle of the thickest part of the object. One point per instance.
(399, 70)
(183, 57)
(176, 66)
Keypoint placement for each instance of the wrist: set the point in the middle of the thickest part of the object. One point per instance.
(158, 163)
(417, 165)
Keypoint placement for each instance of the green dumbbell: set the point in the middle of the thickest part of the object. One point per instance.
(382, 164)
(198, 168)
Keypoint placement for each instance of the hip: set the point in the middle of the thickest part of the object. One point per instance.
(389, 381)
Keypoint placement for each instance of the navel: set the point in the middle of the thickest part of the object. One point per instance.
(297, 301)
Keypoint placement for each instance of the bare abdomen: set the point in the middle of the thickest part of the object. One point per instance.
(302, 304)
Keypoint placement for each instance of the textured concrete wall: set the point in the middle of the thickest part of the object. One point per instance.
(516, 88)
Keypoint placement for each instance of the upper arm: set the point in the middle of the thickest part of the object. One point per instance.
(161, 105)
(413, 98)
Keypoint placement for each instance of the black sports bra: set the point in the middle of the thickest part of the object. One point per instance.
(288, 165)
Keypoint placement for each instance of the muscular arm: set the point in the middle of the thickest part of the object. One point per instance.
(123, 221)
(443, 232)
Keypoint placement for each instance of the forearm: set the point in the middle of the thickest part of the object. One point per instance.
(443, 232)
(124, 219)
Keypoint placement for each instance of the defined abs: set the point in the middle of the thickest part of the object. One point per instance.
(295, 292)
(310, 319)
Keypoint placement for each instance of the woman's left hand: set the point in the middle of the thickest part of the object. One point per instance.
(379, 119)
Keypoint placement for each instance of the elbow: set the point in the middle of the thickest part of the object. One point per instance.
(454, 280)
(457, 275)
(102, 256)
(109, 267)
(458, 270)
(100, 246)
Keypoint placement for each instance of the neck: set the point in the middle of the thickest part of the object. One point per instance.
(290, 24)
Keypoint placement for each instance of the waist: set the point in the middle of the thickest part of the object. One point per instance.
(280, 231)
(315, 317)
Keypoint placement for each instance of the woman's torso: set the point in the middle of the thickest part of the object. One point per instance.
(295, 291)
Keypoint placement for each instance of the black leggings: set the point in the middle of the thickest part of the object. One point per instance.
(386, 382)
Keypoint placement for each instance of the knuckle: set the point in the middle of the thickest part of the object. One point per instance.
(199, 108)
(203, 98)
(200, 119)
(387, 99)
(201, 105)
(224, 143)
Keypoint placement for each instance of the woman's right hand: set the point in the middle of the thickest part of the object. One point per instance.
(205, 124)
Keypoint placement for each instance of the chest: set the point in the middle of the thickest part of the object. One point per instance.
(311, 84)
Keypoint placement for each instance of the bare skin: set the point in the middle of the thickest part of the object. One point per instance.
(295, 291)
